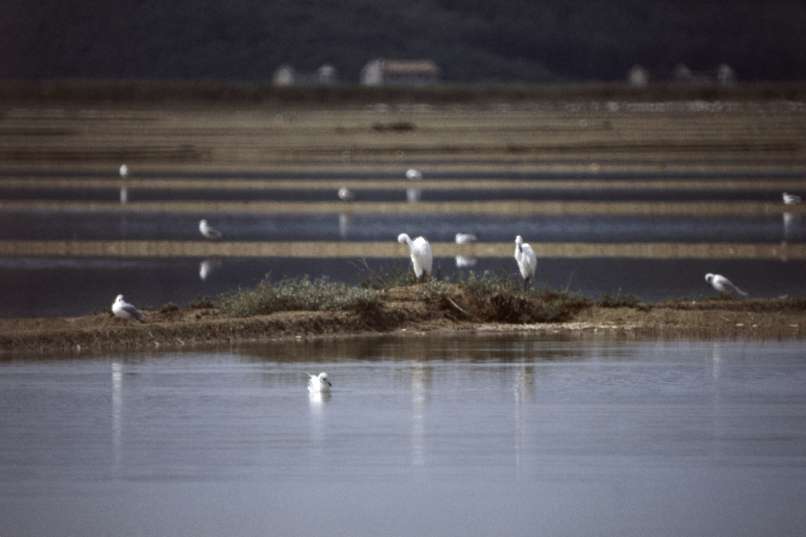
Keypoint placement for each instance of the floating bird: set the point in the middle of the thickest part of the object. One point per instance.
(208, 231)
(420, 252)
(345, 194)
(723, 285)
(465, 238)
(413, 174)
(526, 259)
(123, 170)
(124, 310)
(790, 199)
(319, 383)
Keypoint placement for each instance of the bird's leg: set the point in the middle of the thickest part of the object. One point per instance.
(525, 284)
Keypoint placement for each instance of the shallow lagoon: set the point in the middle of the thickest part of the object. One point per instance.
(421, 436)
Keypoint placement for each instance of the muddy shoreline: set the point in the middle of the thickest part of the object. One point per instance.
(402, 312)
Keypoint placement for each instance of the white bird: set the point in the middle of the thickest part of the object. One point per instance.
(345, 194)
(723, 285)
(124, 310)
(526, 259)
(208, 231)
(319, 383)
(123, 170)
(413, 174)
(791, 199)
(420, 252)
(465, 238)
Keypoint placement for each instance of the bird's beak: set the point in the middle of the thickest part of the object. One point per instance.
(328, 382)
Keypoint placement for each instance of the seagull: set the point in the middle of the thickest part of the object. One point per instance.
(123, 170)
(345, 194)
(319, 383)
(413, 174)
(420, 252)
(790, 199)
(124, 310)
(526, 259)
(208, 231)
(723, 285)
(465, 238)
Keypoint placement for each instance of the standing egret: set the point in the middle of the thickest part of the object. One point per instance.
(124, 310)
(345, 194)
(723, 285)
(319, 383)
(420, 252)
(208, 231)
(790, 199)
(526, 259)
(123, 171)
(413, 174)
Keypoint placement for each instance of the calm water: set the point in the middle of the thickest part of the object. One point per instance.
(424, 436)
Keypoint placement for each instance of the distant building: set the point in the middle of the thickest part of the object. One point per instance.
(725, 75)
(283, 76)
(383, 72)
(638, 77)
(326, 75)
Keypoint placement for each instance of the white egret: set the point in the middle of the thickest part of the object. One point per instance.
(319, 383)
(723, 285)
(526, 259)
(124, 310)
(420, 252)
(465, 238)
(790, 199)
(345, 194)
(208, 231)
(413, 174)
(123, 171)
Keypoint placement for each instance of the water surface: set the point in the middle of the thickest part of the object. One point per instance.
(515, 436)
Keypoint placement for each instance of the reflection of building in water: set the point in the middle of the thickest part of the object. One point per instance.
(420, 380)
(413, 195)
(117, 410)
(464, 261)
(344, 225)
(207, 267)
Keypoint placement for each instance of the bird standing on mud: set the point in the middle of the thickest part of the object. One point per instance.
(421, 257)
(319, 383)
(123, 310)
(723, 285)
(526, 259)
(208, 231)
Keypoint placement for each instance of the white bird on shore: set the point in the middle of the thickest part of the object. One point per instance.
(420, 252)
(413, 174)
(319, 383)
(790, 199)
(526, 259)
(123, 170)
(124, 310)
(723, 285)
(465, 238)
(208, 231)
(345, 194)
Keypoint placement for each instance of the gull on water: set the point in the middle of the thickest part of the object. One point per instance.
(413, 174)
(123, 170)
(420, 253)
(124, 310)
(208, 231)
(319, 383)
(790, 199)
(345, 194)
(723, 285)
(526, 259)
(465, 238)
